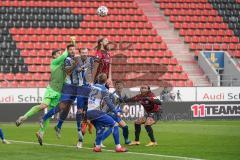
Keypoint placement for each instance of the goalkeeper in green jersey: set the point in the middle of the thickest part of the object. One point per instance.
(53, 91)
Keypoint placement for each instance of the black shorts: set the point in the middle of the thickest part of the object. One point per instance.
(155, 116)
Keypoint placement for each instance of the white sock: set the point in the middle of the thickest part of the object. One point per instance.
(118, 145)
(98, 146)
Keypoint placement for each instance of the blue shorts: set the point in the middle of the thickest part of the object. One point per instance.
(83, 91)
(103, 121)
(82, 96)
(69, 93)
(115, 117)
(82, 102)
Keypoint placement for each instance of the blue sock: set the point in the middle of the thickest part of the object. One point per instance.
(51, 112)
(99, 134)
(116, 135)
(107, 133)
(62, 118)
(1, 134)
(59, 124)
(79, 120)
(125, 132)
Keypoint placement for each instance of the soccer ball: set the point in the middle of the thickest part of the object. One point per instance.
(102, 11)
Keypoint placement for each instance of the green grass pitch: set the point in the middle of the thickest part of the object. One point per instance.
(177, 139)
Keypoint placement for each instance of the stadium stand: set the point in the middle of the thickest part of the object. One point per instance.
(206, 25)
(32, 29)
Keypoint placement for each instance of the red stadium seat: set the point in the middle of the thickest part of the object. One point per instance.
(155, 46)
(232, 46)
(180, 84)
(4, 84)
(175, 76)
(183, 76)
(32, 84)
(23, 84)
(165, 61)
(170, 68)
(13, 84)
(19, 77)
(9, 77)
(166, 76)
(168, 53)
(42, 84)
(141, 39)
(189, 83)
(234, 40)
(37, 76)
(46, 76)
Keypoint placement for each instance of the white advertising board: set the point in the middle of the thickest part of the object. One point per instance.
(177, 94)
(16, 95)
(218, 93)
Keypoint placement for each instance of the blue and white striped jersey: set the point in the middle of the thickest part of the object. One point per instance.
(73, 78)
(99, 94)
(83, 77)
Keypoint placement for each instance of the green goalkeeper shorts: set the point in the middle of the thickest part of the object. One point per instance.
(51, 97)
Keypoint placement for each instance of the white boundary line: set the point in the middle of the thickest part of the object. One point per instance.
(136, 153)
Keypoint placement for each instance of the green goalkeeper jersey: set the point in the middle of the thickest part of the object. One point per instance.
(57, 72)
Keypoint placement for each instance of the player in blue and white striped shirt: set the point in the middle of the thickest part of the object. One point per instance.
(79, 78)
(117, 98)
(100, 119)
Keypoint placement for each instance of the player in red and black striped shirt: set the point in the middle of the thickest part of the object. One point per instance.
(103, 57)
(152, 108)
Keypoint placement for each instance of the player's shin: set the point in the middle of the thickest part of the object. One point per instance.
(45, 126)
(137, 131)
(62, 118)
(78, 121)
(150, 132)
(118, 148)
(125, 134)
(116, 135)
(32, 111)
(99, 134)
(107, 133)
(50, 113)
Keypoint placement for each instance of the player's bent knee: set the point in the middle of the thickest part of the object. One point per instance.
(43, 106)
(138, 121)
(115, 124)
(122, 123)
(150, 122)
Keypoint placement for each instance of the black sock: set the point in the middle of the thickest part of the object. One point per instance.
(137, 131)
(150, 132)
(125, 132)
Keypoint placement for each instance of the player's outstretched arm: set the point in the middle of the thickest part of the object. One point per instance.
(61, 58)
(153, 100)
(132, 99)
(109, 103)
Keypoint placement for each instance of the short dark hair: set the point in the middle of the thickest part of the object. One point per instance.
(102, 78)
(82, 49)
(149, 88)
(118, 82)
(54, 52)
(69, 46)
